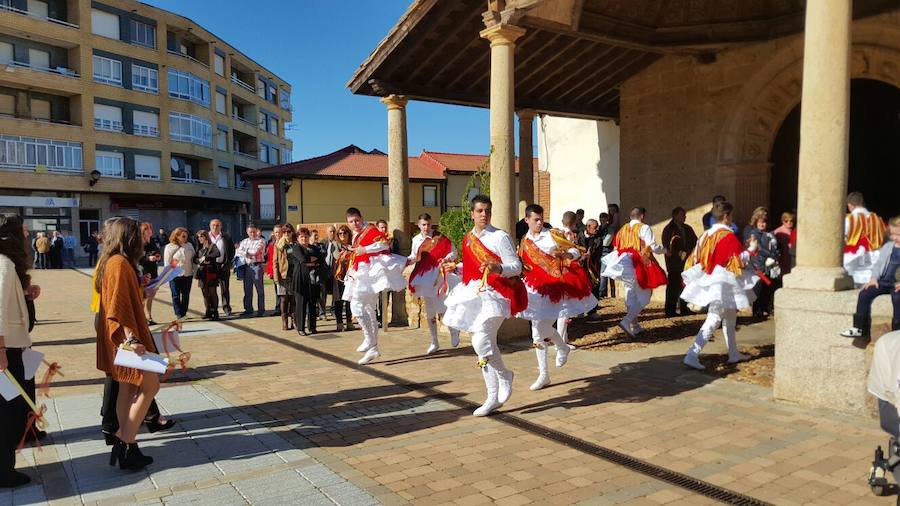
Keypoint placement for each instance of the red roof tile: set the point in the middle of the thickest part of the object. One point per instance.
(459, 162)
(351, 162)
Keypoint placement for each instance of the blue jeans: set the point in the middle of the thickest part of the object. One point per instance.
(863, 317)
(181, 294)
(253, 277)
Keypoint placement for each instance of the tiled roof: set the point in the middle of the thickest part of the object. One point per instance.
(458, 162)
(351, 162)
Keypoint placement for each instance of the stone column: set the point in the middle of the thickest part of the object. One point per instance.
(526, 160)
(824, 142)
(398, 185)
(502, 38)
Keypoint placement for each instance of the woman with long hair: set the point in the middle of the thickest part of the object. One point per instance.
(149, 264)
(122, 321)
(303, 261)
(180, 251)
(340, 249)
(208, 274)
(15, 283)
(281, 273)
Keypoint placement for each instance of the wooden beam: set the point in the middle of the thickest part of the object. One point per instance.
(623, 73)
(536, 69)
(571, 71)
(453, 36)
(566, 57)
(589, 82)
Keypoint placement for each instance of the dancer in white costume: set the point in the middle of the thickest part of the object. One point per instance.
(429, 250)
(557, 286)
(490, 292)
(373, 269)
(632, 261)
(863, 237)
(716, 275)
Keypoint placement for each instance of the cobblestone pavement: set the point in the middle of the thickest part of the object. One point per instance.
(269, 417)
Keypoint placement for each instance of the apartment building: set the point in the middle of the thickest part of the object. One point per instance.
(115, 107)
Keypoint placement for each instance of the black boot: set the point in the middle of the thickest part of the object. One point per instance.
(129, 456)
(13, 479)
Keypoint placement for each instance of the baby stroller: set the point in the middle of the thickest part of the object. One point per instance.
(884, 383)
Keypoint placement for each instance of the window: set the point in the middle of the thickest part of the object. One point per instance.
(260, 88)
(239, 182)
(429, 196)
(146, 124)
(285, 155)
(144, 78)
(273, 155)
(105, 24)
(264, 153)
(143, 34)
(40, 109)
(273, 125)
(187, 128)
(38, 8)
(110, 164)
(220, 103)
(38, 58)
(187, 86)
(146, 167)
(385, 194)
(223, 177)
(261, 123)
(222, 140)
(7, 105)
(285, 99)
(266, 201)
(107, 71)
(182, 169)
(219, 64)
(271, 93)
(28, 152)
(107, 117)
(473, 192)
(6, 52)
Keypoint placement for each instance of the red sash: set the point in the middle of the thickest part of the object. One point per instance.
(431, 252)
(551, 276)
(368, 236)
(474, 255)
(720, 248)
(647, 271)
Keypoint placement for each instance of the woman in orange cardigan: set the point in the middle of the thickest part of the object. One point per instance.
(122, 320)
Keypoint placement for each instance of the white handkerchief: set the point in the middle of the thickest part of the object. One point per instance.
(150, 362)
(32, 360)
(7, 390)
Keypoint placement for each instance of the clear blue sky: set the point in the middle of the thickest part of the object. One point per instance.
(316, 45)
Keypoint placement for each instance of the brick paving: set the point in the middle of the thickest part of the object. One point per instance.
(269, 417)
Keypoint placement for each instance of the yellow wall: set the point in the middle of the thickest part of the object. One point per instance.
(326, 200)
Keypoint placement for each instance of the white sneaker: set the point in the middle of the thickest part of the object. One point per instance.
(454, 339)
(487, 408)
(365, 346)
(626, 328)
(692, 360)
(433, 348)
(562, 354)
(542, 381)
(738, 357)
(852, 332)
(370, 355)
(504, 390)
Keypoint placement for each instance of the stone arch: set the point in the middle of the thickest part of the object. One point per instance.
(745, 146)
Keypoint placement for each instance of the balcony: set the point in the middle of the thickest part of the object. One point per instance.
(38, 16)
(63, 71)
(190, 180)
(31, 154)
(236, 80)
(108, 125)
(188, 57)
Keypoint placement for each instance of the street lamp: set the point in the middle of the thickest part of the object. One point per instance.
(95, 176)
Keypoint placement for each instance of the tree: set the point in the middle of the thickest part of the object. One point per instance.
(455, 223)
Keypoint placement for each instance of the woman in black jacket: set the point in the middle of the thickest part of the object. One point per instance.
(303, 261)
(149, 265)
(207, 274)
(764, 262)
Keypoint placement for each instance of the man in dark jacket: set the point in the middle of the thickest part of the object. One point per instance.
(679, 239)
(225, 244)
(56, 250)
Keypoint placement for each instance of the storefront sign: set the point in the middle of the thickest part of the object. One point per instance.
(15, 201)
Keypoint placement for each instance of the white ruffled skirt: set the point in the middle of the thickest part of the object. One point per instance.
(617, 265)
(542, 308)
(859, 264)
(733, 292)
(468, 308)
(380, 273)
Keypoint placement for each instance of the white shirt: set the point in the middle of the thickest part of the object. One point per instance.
(182, 255)
(646, 235)
(499, 242)
(544, 240)
(372, 248)
(220, 244)
(252, 251)
(417, 243)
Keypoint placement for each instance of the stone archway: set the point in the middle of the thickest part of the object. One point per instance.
(745, 146)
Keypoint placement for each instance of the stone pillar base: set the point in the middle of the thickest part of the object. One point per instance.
(814, 365)
(818, 278)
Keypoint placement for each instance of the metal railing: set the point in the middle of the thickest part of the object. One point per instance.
(63, 71)
(245, 120)
(188, 57)
(146, 130)
(241, 153)
(35, 16)
(109, 125)
(32, 168)
(236, 80)
(190, 180)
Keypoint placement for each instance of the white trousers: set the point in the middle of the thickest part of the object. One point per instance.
(636, 299)
(717, 315)
(364, 310)
(484, 341)
(542, 331)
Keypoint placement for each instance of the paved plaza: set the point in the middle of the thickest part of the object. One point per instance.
(269, 417)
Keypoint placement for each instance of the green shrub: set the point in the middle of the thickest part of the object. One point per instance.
(456, 223)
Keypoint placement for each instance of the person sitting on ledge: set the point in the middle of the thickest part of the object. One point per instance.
(885, 280)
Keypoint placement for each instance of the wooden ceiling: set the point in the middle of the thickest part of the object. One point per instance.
(573, 67)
